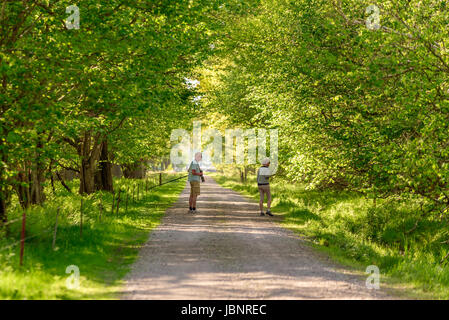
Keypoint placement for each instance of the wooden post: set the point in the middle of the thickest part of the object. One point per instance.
(113, 205)
(160, 178)
(127, 196)
(56, 230)
(118, 200)
(81, 218)
(375, 200)
(101, 208)
(146, 185)
(138, 190)
(134, 188)
(22, 238)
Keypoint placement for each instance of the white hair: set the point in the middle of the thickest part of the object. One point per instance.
(265, 161)
(198, 155)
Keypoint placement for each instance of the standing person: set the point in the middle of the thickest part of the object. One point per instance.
(195, 175)
(263, 182)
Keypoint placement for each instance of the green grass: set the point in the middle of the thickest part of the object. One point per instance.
(353, 232)
(103, 254)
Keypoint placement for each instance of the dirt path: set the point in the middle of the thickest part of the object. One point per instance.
(227, 251)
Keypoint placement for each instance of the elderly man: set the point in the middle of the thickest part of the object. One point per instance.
(263, 182)
(195, 176)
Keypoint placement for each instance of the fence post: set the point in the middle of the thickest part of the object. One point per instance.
(127, 196)
(113, 200)
(56, 230)
(101, 208)
(118, 200)
(138, 190)
(22, 238)
(134, 188)
(160, 178)
(81, 218)
(146, 185)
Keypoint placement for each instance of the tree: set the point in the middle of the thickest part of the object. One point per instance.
(357, 108)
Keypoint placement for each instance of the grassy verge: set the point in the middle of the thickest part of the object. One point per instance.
(356, 233)
(103, 254)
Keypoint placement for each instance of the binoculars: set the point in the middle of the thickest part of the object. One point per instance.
(202, 177)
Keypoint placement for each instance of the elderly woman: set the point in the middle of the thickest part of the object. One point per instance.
(263, 182)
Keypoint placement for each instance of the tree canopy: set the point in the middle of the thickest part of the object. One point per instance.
(358, 105)
(358, 91)
(110, 86)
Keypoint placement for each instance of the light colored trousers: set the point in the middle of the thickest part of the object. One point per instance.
(265, 190)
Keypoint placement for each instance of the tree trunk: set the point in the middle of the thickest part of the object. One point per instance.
(166, 163)
(3, 198)
(241, 175)
(103, 176)
(37, 188)
(52, 179)
(134, 171)
(4, 194)
(29, 185)
(89, 152)
(87, 177)
(31, 177)
(22, 187)
(38, 174)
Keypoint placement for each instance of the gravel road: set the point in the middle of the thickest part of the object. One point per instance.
(227, 251)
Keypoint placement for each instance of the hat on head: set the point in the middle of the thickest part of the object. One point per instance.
(265, 161)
